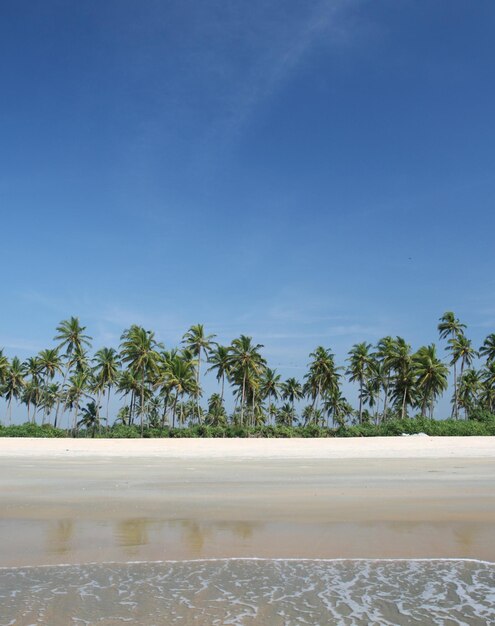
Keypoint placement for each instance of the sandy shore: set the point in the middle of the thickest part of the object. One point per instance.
(415, 446)
(71, 501)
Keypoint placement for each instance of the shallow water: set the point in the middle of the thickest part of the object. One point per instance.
(252, 591)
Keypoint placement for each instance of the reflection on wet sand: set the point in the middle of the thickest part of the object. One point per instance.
(59, 536)
(142, 538)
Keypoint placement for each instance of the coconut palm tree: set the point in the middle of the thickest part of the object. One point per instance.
(449, 327)
(360, 368)
(323, 376)
(461, 350)
(246, 367)
(404, 378)
(219, 358)
(49, 398)
(90, 418)
(432, 377)
(216, 415)
(338, 408)
(470, 388)
(50, 364)
(4, 366)
(198, 342)
(488, 391)
(72, 338)
(128, 383)
(14, 383)
(182, 379)
(106, 373)
(139, 350)
(269, 384)
(76, 388)
(487, 350)
(292, 390)
(33, 390)
(383, 354)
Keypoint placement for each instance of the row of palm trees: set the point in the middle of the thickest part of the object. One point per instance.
(164, 387)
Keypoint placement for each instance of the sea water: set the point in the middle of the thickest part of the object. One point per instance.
(252, 591)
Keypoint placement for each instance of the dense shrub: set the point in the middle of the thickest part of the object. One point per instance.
(481, 415)
(31, 430)
(480, 424)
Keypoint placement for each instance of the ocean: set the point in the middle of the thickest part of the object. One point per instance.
(243, 592)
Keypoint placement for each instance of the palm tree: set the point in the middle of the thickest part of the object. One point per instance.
(71, 337)
(33, 389)
(197, 342)
(106, 373)
(488, 391)
(219, 357)
(450, 327)
(14, 383)
(338, 408)
(284, 416)
(461, 349)
(322, 378)
(182, 380)
(360, 367)
(488, 348)
(404, 379)
(383, 354)
(432, 375)
(4, 366)
(50, 397)
(90, 418)
(216, 411)
(246, 366)
(139, 350)
(292, 390)
(470, 387)
(270, 384)
(50, 364)
(76, 388)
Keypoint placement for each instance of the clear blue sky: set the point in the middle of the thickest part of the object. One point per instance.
(304, 172)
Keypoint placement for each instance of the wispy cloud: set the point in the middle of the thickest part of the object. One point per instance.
(22, 345)
(275, 43)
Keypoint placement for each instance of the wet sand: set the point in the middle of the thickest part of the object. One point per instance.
(64, 501)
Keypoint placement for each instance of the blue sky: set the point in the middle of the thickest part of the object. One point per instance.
(304, 172)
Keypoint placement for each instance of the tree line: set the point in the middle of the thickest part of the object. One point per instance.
(160, 388)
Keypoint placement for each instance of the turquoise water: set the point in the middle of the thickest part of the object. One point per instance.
(252, 591)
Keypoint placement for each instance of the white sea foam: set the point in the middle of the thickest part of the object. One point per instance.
(241, 592)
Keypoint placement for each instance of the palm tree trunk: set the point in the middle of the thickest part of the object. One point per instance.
(197, 387)
(60, 397)
(142, 402)
(360, 400)
(385, 399)
(223, 385)
(243, 398)
(98, 399)
(404, 404)
(456, 415)
(108, 402)
(174, 410)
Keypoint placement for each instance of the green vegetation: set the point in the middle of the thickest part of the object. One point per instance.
(159, 392)
(482, 425)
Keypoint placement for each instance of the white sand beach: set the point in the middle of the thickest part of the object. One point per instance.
(76, 501)
(405, 447)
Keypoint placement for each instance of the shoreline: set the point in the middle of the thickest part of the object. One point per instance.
(410, 446)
